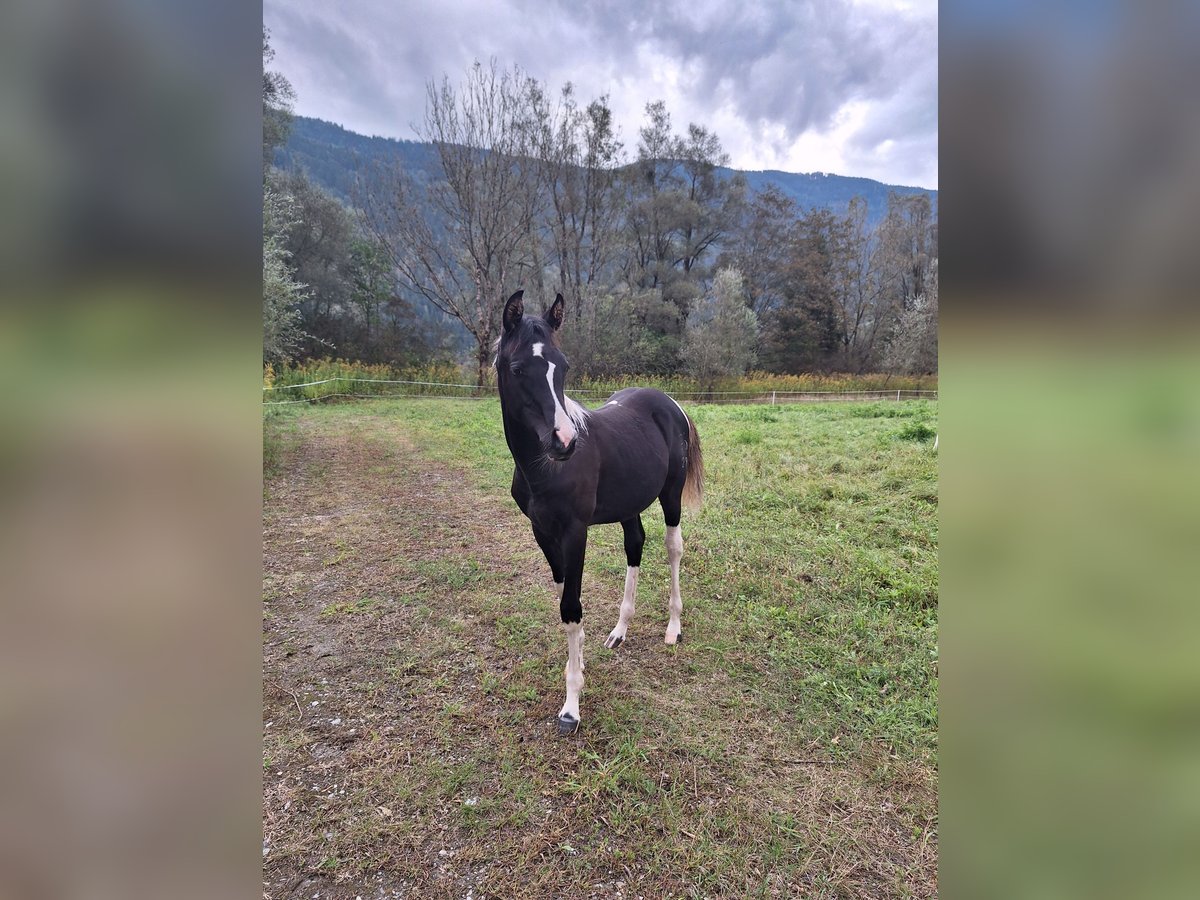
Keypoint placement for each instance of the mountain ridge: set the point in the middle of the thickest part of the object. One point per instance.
(330, 155)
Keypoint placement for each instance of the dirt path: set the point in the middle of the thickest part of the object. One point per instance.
(412, 672)
(354, 530)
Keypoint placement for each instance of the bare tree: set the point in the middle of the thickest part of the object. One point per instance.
(913, 349)
(887, 273)
(579, 153)
(463, 240)
(760, 247)
(860, 293)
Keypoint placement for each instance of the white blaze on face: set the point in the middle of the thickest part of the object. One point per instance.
(562, 422)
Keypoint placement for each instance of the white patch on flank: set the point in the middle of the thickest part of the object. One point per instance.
(537, 348)
(574, 669)
(674, 543)
(612, 403)
(628, 604)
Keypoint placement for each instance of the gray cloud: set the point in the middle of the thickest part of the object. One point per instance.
(812, 85)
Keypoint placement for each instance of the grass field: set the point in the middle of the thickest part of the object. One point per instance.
(413, 666)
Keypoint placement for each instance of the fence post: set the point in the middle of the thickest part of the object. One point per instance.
(897, 396)
(772, 398)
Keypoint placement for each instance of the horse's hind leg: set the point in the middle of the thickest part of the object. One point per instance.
(635, 539)
(671, 505)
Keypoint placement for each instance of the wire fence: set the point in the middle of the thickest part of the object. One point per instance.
(417, 389)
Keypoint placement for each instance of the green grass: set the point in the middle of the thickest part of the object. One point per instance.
(810, 575)
(810, 586)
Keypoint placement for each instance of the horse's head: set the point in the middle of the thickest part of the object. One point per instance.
(529, 372)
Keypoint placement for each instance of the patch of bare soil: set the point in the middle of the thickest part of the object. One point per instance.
(354, 605)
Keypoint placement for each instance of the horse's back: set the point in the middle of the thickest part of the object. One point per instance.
(649, 401)
(641, 433)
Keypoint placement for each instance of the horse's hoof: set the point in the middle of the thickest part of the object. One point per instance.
(678, 640)
(613, 643)
(567, 725)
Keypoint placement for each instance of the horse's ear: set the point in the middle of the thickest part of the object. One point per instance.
(554, 315)
(513, 310)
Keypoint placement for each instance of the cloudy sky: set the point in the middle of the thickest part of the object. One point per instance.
(844, 86)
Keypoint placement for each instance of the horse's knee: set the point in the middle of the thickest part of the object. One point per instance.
(570, 610)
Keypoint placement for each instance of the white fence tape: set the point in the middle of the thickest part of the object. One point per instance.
(727, 396)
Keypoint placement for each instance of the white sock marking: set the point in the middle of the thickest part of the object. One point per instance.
(574, 670)
(628, 607)
(674, 541)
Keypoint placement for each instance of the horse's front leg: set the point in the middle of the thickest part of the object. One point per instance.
(574, 545)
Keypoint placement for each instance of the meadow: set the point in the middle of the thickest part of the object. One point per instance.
(413, 666)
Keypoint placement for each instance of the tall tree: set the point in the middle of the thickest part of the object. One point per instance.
(579, 153)
(913, 348)
(460, 242)
(802, 330)
(278, 97)
(712, 202)
(721, 332)
(319, 246)
(760, 245)
(652, 216)
(679, 207)
(860, 293)
(282, 294)
(886, 272)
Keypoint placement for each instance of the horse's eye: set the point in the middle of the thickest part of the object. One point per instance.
(517, 370)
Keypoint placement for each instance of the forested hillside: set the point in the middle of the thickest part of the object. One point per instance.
(402, 252)
(331, 156)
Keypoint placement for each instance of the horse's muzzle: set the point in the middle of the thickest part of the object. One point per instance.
(560, 451)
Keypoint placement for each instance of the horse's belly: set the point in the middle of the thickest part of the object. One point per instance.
(621, 498)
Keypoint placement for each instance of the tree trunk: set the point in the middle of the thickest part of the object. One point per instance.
(483, 365)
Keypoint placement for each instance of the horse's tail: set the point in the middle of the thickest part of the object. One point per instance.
(693, 484)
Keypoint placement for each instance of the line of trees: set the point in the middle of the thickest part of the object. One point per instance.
(329, 287)
(668, 264)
